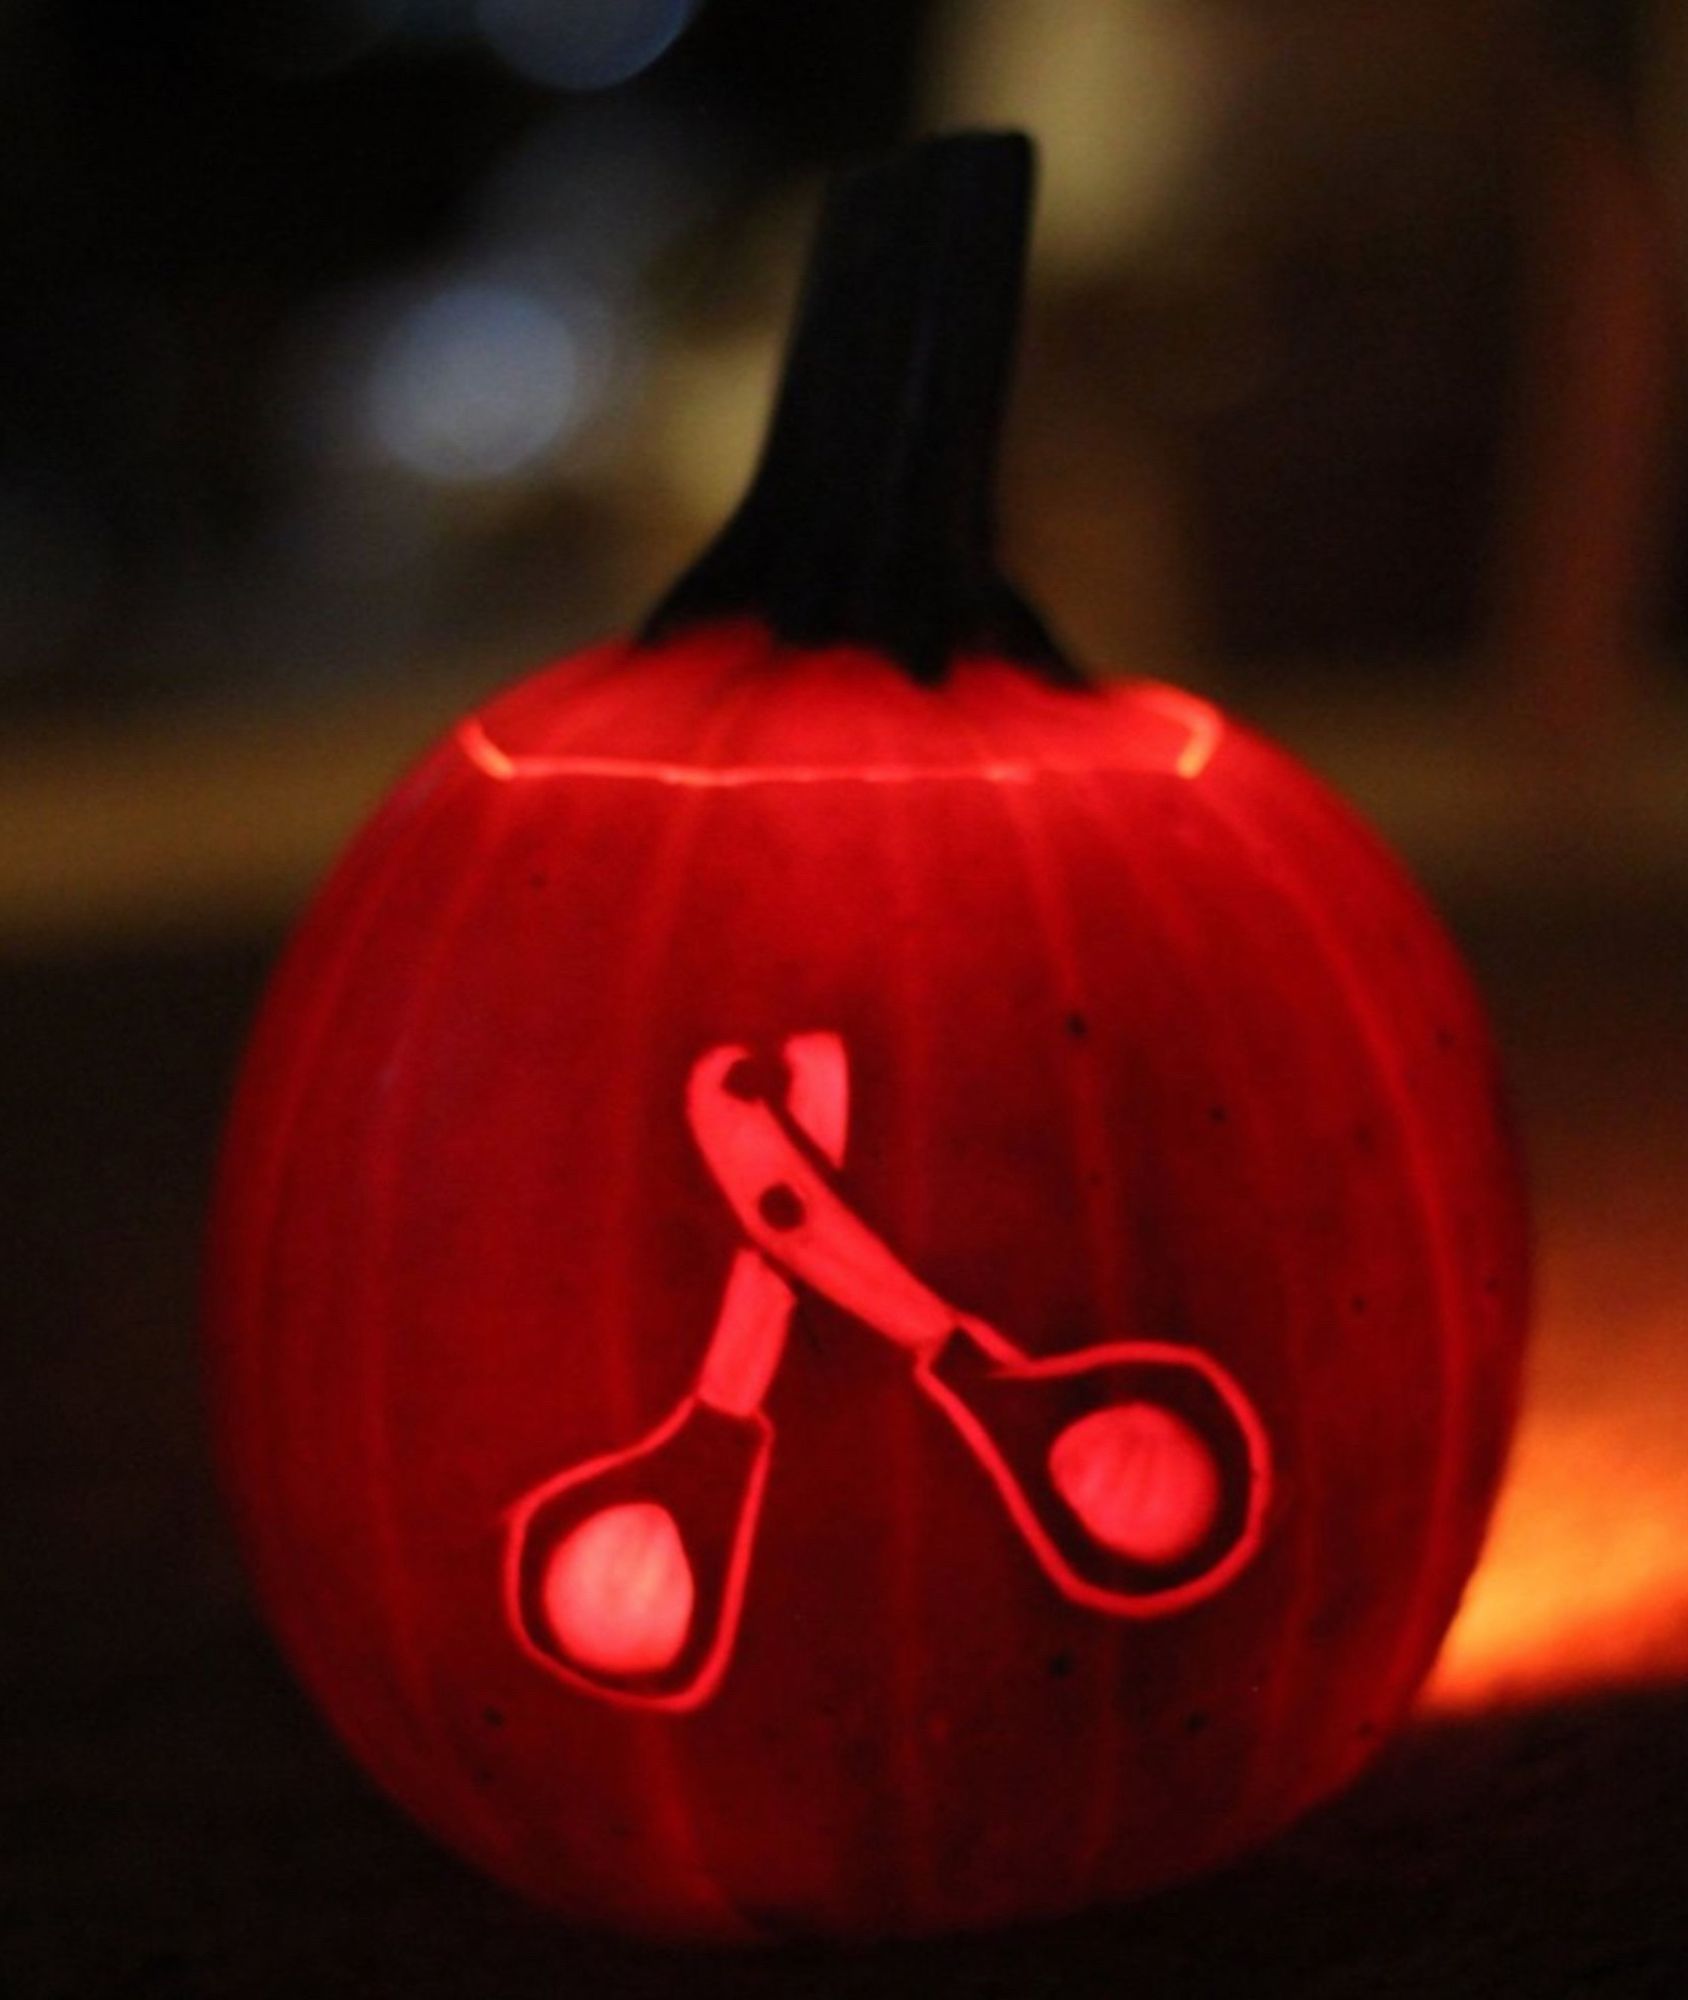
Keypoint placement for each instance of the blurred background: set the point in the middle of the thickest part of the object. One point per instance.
(360, 354)
(363, 352)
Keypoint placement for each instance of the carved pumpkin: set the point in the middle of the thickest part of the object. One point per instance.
(858, 1287)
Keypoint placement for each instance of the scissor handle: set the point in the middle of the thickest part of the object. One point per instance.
(1138, 1472)
(625, 1575)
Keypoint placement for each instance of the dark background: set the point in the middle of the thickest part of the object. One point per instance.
(361, 352)
(223, 228)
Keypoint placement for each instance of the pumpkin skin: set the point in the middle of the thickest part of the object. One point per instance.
(1148, 1040)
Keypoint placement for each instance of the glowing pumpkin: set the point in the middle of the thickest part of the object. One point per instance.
(857, 1287)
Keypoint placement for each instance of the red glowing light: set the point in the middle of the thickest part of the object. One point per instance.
(1198, 730)
(1013, 1411)
(1145, 1035)
(619, 1591)
(1140, 1479)
(695, 1451)
(631, 1305)
(1010, 1410)
(1165, 1515)
(646, 1660)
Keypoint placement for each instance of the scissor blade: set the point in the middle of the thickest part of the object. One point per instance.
(790, 1212)
(818, 1095)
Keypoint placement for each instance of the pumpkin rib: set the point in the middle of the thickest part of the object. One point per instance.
(587, 691)
(655, 1751)
(370, 1304)
(623, 694)
(1291, 1623)
(1431, 1611)
(1110, 1766)
(1292, 892)
(342, 914)
(653, 1754)
(1098, 1154)
(913, 1806)
(268, 1452)
(1171, 919)
(604, 684)
(1098, 1178)
(609, 693)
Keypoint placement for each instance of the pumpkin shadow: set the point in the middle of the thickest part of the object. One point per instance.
(1536, 1851)
(1533, 1851)
(1529, 1853)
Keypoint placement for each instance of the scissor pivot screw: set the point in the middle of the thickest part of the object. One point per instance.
(781, 1207)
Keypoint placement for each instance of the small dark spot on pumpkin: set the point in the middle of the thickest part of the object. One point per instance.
(538, 879)
(1196, 1721)
(1357, 1304)
(1365, 1137)
(481, 1776)
(781, 1207)
(492, 1717)
(1491, 1284)
(1446, 1039)
(1368, 1728)
(1077, 1026)
(1218, 1115)
(1061, 1665)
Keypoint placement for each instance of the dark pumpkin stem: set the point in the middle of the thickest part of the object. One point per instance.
(871, 518)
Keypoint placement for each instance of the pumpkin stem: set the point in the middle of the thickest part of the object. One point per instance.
(871, 518)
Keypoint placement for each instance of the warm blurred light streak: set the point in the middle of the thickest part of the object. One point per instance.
(1585, 1582)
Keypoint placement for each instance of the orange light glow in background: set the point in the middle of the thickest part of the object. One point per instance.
(1585, 1582)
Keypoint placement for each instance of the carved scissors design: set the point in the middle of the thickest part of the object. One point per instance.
(1136, 1472)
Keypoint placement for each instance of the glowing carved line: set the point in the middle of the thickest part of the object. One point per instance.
(795, 1219)
(813, 1233)
(1202, 721)
(707, 1678)
(743, 1354)
(1203, 726)
(1126, 1353)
